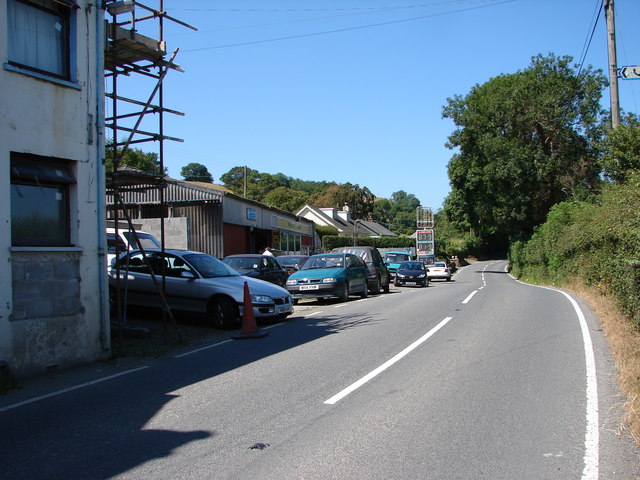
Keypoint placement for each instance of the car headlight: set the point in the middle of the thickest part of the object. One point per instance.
(421, 275)
(261, 299)
(329, 280)
(399, 275)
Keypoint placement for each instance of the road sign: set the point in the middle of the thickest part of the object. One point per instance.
(630, 72)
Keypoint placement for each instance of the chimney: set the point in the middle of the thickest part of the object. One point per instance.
(344, 213)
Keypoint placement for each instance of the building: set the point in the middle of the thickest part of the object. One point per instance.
(210, 219)
(52, 277)
(342, 221)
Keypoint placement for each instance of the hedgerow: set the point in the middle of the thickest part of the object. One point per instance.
(595, 242)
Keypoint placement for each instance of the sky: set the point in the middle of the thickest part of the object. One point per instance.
(351, 91)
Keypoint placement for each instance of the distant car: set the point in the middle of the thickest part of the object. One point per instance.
(411, 273)
(393, 260)
(379, 278)
(195, 282)
(292, 263)
(439, 270)
(330, 275)
(264, 267)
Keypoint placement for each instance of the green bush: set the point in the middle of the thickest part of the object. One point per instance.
(329, 242)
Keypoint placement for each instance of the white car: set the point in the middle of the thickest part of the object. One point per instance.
(196, 283)
(126, 241)
(439, 270)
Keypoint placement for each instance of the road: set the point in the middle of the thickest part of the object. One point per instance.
(479, 378)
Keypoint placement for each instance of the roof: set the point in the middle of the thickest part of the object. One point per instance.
(361, 227)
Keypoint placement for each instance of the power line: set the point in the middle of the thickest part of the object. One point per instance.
(585, 47)
(360, 27)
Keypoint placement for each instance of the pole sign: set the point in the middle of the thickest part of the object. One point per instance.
(425, 244)
(630, 72)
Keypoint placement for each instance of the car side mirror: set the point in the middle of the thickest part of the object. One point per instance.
(188, 275)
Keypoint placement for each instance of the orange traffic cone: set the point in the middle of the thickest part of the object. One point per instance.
(249, 327)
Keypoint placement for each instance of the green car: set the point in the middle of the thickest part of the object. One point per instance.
(329, 275)
(393, 260)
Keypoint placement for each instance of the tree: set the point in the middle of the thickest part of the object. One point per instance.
(621, 149)
(132, 158)
(359, 200)
(196, 172)
(286, 199)
(525, 142)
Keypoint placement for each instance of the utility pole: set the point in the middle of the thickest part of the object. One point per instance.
(613, 63)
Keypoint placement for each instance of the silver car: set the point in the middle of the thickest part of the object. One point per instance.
(195, 282)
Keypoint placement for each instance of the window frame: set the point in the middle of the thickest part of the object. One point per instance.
(44, 173)
(65, 11)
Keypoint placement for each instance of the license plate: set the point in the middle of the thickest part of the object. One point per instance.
(410, 283)
(309, 287)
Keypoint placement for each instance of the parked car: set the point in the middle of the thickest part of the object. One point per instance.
(292, 263)
(329, 275)
(196, 282)
(439, 270)
(393, 260)
(378, 277)
(126, 241)
(264, 267)
(411, 273)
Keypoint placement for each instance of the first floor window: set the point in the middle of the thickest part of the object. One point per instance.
(40, 201)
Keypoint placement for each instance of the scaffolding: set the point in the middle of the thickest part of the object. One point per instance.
(131, 55)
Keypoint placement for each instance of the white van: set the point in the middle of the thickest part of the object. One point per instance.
(126, 241)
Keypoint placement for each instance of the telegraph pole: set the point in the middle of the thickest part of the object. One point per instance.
(613, 63)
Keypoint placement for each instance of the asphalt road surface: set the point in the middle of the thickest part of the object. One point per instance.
(479, 378)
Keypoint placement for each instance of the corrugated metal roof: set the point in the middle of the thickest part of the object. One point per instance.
(175, 192)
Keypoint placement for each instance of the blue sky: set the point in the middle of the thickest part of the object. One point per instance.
(352, 90)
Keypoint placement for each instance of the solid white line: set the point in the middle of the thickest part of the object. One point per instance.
(466, 300)
(354, 386)
(592, 435)
(76, 387)
(202, 348)
(312, 314)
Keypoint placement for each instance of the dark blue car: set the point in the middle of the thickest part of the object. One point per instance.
(411, 273)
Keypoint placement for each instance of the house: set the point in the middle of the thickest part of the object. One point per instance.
(52, 267)
(211, 219)
(342, 221)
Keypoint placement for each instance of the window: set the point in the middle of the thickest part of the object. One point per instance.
(40, 36)
(40, 201)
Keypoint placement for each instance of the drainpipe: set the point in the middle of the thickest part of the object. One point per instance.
(105, 340)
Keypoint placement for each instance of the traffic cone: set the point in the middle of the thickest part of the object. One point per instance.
(249, 327)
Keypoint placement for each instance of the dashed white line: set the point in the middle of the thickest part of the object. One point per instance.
(466, 300)
(354, 386)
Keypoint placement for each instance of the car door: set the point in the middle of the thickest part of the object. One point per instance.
(356, 273)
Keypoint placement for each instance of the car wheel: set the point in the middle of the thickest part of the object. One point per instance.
(344, 295)
(223, 313)
(397, 284)
(376, 288)
(365, 290)
(386, 287)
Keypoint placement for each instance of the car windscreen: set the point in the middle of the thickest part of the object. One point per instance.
(210, 267)
(289, 261)
(243, 263)
(396, 257)
(147, 240)
(324, 261)
(411, 266)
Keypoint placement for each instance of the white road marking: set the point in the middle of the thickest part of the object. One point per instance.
(65, 390)
(592, 435)
(354, 386)
(466, 300)
(202, 348)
